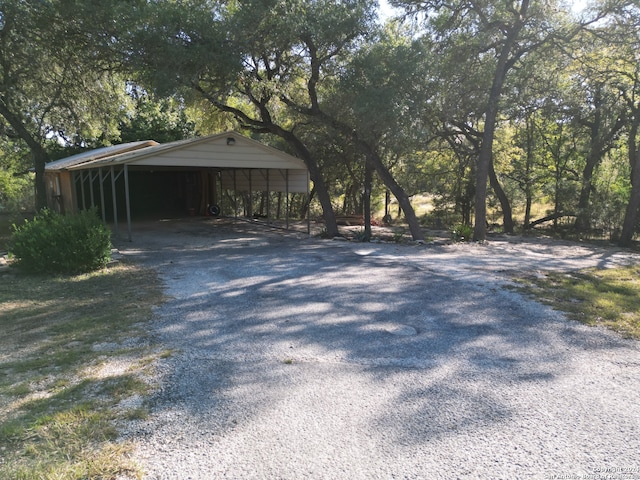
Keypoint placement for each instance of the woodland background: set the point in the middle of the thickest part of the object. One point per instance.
(494, 114)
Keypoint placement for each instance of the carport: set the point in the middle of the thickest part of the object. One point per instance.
(213, 175)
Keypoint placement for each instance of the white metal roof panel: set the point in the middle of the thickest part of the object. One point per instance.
(213, 151)
(99, 153)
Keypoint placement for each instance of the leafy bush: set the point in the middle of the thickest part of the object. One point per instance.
(62, 243)
(462, 233)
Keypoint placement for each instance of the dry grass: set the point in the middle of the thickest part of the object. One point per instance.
(607, 297)
(73, 350)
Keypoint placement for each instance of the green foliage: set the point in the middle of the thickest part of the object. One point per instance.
(333, 83)
(62, 243)
(16, 193)
(462, 233)
(57, 78)
(612, 188)
(16, 185)
(164, 120)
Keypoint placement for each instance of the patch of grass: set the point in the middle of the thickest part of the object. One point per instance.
(20, 389)
(608, 297)
(139, 413)
(121, 387)
(67, 360)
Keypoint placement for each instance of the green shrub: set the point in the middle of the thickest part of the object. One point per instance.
(62, 243)
(462, 233)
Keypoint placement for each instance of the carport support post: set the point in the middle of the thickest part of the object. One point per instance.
(286, 187)
(115, 203)
(268, 201)
(91, 178)
(104, 214)
(74, 188)
(235, 196)
(126, 197)
(84, 203)
(250, 209)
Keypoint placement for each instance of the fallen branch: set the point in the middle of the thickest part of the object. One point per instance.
(549, 218)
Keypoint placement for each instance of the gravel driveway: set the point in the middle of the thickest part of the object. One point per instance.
(301, 358)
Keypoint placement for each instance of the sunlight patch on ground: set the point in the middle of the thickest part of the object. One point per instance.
(115, 367)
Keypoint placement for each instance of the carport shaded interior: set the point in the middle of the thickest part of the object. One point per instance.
(224, 173)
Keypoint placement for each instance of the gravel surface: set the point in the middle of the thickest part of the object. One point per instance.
(301, 358)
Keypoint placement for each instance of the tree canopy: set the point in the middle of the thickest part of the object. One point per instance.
(512, 113)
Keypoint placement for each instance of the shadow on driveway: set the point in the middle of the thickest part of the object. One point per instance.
(307, 358)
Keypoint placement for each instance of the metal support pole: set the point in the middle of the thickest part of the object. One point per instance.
(235, 195)
(74, 192)
(84, 203)
(219, 196)
(127, 201)
(268, 201)
(104, 214)
(286, 187)
(60, 205)
(91, 178)
(250, 211)
(115, 203)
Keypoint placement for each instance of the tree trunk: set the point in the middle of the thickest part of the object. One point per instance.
(383, 172)
(466, 197)
(265, 124)
(485, 159)
(368, 180)
(493, 104)
(530, 131)
(318, 182)
(507, 216)
(527, 209)
(631, 214)
(583, 221)
(40, 159)
(390, 182)
(305, 203)
(599, 144)
(279, 205)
